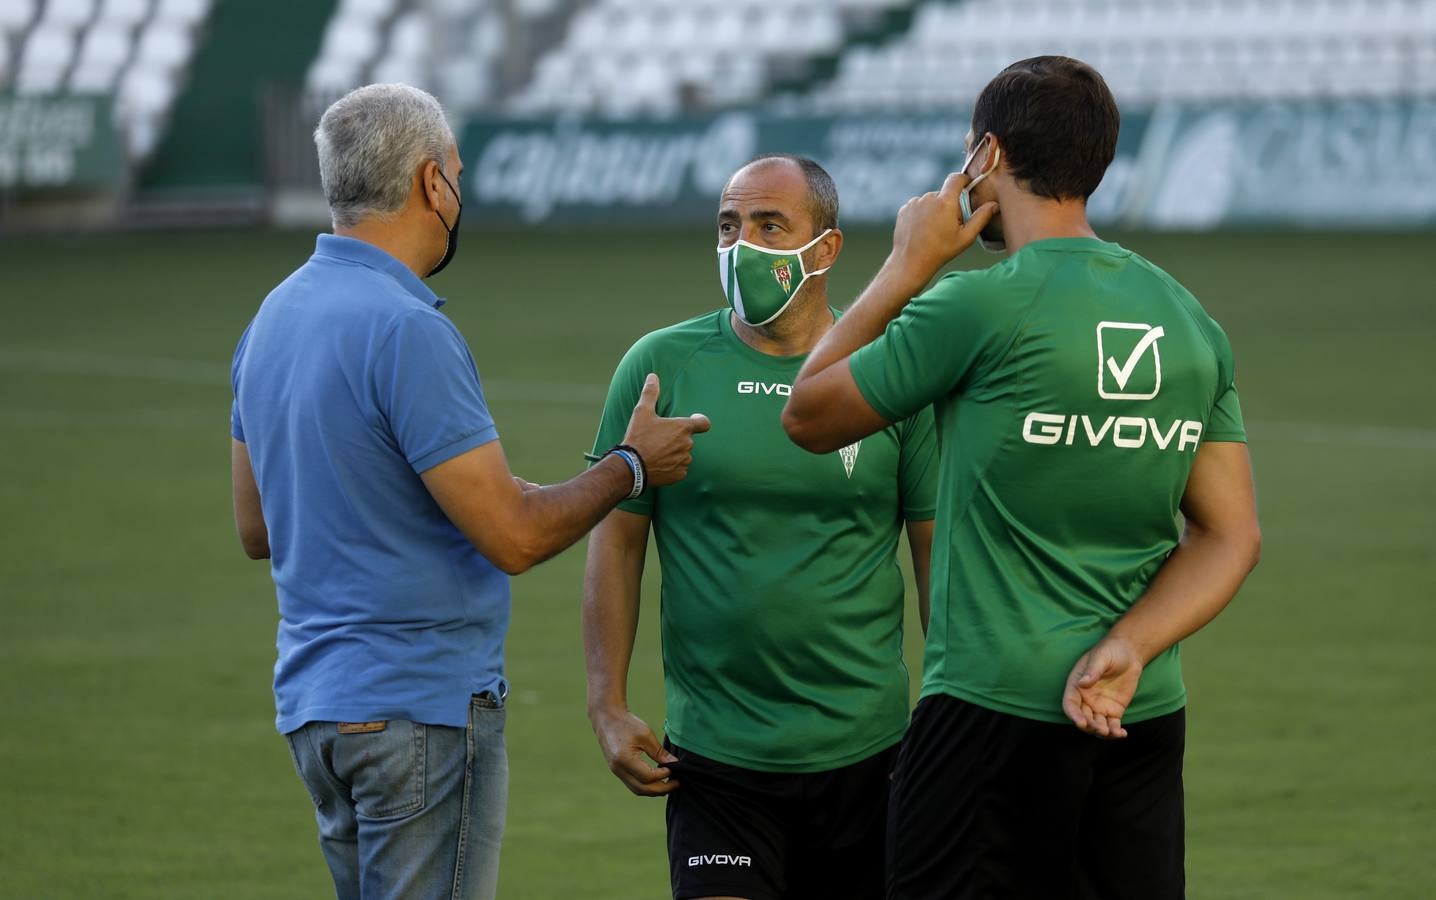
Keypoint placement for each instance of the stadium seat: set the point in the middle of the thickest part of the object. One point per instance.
(366, 10)
(142, 134)
(123, 13)
(163, 46)
(464, 83)
(409, 37)
(145, 92)
(67, 13)
(48, 50)
(350, 39)
(103, 53)
(16, 15)
(331, 77)
(187, 13)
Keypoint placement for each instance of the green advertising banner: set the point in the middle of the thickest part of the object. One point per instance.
(59, 142)
(1315, 165)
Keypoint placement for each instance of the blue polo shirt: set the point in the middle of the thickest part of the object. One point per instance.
(347, 385)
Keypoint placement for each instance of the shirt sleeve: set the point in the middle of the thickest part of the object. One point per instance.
(917, 466)
(623, 393)
(1225, 422)
(930, 349)
(427, 388)
(236, 424)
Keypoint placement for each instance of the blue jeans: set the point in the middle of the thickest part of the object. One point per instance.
(412, 810)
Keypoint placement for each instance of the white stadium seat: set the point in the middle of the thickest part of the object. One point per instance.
(16, 15)
(103, 52)
(145, 92)
(67, 13)
(105, 46)
(366, 10)
(164, 46)
(48, 47)
(182, 12)
(350, 39)
(410, 37)
(123, 13)
(331, 77)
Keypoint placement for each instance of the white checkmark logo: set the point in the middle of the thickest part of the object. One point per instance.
(1121, 373)
(1113, 380)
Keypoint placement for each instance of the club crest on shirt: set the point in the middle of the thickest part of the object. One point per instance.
(850, 456)
(783, 271)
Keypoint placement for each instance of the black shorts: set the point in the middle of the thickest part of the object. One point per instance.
(988, 805)
(736, 832)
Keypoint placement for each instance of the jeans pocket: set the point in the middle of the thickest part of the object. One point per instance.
(386, 769)
(486, 716)
(299, 768)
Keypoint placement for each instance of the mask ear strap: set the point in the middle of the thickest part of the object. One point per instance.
(809, 246)
(996, 159)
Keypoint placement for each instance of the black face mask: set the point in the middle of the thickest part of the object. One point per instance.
(453, 241)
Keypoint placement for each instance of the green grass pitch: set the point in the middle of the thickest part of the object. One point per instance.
(137, 752)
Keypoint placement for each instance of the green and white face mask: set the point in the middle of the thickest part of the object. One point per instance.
(760, 283)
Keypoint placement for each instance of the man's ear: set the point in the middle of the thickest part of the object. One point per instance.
(431, 186)
(994, 151)
(829, 248)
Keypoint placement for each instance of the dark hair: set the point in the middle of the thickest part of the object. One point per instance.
(1057, 122)
(822, 193)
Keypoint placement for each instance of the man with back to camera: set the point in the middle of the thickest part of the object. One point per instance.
(782, 601)
(1083, 398)
(364, 457)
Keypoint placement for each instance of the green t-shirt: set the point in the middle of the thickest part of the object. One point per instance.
(1072, 384)
(782, 600)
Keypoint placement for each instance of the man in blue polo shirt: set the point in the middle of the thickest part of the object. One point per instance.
(366, 466)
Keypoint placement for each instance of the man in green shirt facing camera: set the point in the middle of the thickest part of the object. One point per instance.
(782, 601)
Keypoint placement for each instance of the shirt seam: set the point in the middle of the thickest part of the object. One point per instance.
(948, 688)
(486, 435)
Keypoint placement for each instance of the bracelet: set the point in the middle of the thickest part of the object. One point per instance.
(635, 465)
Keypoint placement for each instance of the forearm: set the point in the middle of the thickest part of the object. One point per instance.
(924, 600)
(553, 518)
(826, 409)
(919, 537)
(878, 304)
(1195, 583)
(611, 588)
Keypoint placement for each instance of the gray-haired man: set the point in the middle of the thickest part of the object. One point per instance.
(367, 466)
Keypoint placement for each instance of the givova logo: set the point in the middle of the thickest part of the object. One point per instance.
(1123, 372)
(719, 859)
(1129, 432)
(765, 387)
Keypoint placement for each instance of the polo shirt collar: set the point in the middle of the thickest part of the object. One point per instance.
(366, 254)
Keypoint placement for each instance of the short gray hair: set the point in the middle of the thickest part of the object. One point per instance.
(371, 141)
